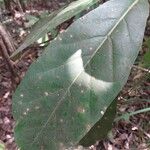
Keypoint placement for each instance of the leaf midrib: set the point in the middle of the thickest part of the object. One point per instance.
(105, 39)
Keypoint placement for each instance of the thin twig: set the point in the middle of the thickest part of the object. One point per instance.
(19, 6)
(142, 69)
(7, 39)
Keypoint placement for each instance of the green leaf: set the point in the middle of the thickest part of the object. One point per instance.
(100, 130)
(49, 23)
(69, 88)
(31, 20)
(2, 146)
(147, 42)
(146, 59)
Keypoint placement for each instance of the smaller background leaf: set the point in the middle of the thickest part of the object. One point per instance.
(31, 20)
(2, 146)
(49, 23)
(146, 59)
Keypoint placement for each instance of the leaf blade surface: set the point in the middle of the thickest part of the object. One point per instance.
(72, 84)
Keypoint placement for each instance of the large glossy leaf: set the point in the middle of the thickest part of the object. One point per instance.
(68, 89)
(101, 128)
(47, 24)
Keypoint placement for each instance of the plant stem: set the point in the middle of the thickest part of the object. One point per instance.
(18, 2)
(132, 114)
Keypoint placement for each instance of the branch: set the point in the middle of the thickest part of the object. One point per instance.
(142, 69)
(5, 55)
(7, 39)
(19, 6)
